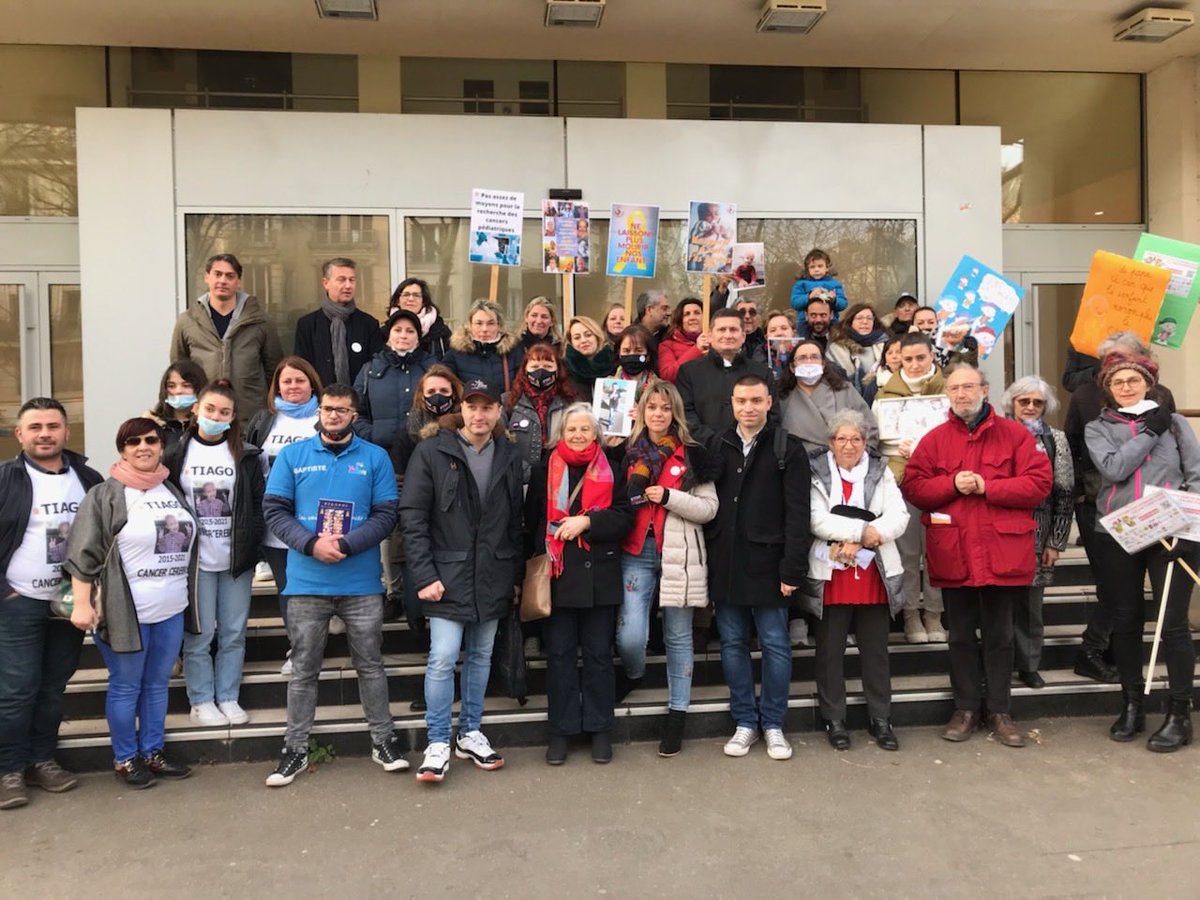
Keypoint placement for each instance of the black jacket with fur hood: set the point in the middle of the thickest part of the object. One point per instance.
(497, 363)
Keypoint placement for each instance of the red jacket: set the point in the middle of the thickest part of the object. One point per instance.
(673, 353)
(989, 538)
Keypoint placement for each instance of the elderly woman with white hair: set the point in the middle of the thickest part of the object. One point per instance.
(855, 574)
(1029, 400)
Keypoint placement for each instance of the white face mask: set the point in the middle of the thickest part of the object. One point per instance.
(809, 373)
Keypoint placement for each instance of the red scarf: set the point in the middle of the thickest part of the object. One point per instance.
(670, 477)
(596, 493)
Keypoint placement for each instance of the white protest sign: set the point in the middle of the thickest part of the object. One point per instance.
(495, 237)
(1137, 525)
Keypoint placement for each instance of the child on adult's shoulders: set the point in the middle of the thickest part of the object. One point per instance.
(818, 276)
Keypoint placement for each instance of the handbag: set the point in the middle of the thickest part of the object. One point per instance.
(63, 605)
(509, 673)
(535, 589)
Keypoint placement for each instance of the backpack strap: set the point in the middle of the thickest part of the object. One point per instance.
(780, 444)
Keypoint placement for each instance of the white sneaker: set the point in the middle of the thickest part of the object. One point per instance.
(436, 762)
(208, 715)
(798, 633)
(286, 668)
(233, 711)
(262, 572)
(475, 747)
(741, 742)
(777, 745)
(336, 625)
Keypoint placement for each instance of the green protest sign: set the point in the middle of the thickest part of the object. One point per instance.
(1183, 291)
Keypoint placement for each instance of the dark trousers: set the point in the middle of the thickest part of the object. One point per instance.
(580, 701)
(1124, 578)
(988, 610)
(276, 558)
(871, 624)
(38, 656)
(1099, 628)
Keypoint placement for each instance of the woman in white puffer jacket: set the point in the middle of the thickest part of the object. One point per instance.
(673, 496)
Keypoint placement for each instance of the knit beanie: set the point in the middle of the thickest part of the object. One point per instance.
(1115, 362)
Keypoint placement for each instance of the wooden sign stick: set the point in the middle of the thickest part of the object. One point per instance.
(568, 294)
(494, 286)
(1162, 610)
(707, 289)
(629, 301)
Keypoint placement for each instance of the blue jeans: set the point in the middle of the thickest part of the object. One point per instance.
(771, 623)
(38, 655)
(224, 605)
(446, 638)
(641, 575)
(136, 706)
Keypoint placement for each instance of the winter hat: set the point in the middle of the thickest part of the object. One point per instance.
(402, 315)
(1115, 362)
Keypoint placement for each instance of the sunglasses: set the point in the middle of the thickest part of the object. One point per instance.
(1031, 401)
(150, 440)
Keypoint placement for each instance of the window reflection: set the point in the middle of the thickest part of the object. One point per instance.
(66, 355)
(10, 366)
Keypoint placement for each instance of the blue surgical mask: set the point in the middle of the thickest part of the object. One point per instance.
(209, 427)
(182, 401)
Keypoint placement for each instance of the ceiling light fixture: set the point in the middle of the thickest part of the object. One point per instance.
(347, 9)
(790, 16)
(1153, 25)
(574, 13)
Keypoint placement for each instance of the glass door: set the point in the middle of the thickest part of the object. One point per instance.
(41, 348)
(1048, 315)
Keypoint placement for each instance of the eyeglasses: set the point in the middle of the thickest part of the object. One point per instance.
(336, 410)
(1133, 381)
(1030, 401)
(150, 440)
(749, 312)
(412, 295)
(843, 441)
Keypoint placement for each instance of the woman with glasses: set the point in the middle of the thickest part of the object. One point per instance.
(413, 294)
(857, 348)
(1029, 400)
(812, 392)
(482, 350)
(149, 597)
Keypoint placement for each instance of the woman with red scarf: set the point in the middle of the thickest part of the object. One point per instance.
(673, 497)
(578, 510)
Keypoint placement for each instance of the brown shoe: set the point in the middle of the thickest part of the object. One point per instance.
(50, 776)
(12, 790)
(1006, 730)
(961, 724)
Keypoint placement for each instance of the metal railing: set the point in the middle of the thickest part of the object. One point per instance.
(797, 112)
(550, 104)
(204, 99)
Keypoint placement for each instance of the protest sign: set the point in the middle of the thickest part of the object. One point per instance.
(613, 404)
(1183, 289)
(1121, 294)
(1137, 525)
(495, 238)
(980, 301)
(712, 230)
(1189, 505)
(779, 353)
(910, 418)
(566, 241)
(632, 240)
(749, 265)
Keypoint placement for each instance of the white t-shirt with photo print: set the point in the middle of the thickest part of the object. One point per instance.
(285, 430)
(207, 479)
(35, 569)
(155, 546)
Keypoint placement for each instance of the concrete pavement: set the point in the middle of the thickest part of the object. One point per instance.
(1074, 815)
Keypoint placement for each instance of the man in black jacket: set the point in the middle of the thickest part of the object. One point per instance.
(757, 558)
(706, 384)
(461, 516)
(40, 491)
(338, 337)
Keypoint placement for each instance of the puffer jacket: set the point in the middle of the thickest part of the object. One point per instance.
(247, 356)
(1129, 458)
(684, 580)
(497, 363)
(385, 387)
(676, 350)
(979, 540)
(882, 498)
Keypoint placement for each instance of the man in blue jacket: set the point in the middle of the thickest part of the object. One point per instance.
(332, 499)
(40, 492)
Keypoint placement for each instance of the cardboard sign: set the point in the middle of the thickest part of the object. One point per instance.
(749, 265)
(1181, 260)
(1137, 525)
(495, 238)
(978, 301)
(910, 418)
(632, 241)
(712, 230)
(1121, 294)
(566, 237)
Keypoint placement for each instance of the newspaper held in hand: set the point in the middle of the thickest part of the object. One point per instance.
(1157, 515)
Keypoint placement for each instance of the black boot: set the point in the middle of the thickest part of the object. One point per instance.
(1132, 720)
(624, 685)
(672, 739)
(1176, 732)
(1091, 665)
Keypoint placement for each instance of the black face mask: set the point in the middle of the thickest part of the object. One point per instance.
(439, 404)
(634, 363)
(541, 379)
(335, 436)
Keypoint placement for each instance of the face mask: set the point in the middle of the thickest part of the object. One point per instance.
(182, 401)
(208, 426)
(634, 363)
(809, 373)
(335, 436)
(439, 404)
(542, 378)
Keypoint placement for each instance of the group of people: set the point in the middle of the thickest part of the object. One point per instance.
(754, 495)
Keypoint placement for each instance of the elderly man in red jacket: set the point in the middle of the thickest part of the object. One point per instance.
(977, 479)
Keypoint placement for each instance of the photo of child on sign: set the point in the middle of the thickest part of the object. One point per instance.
(749, 265)
(565, 236)
(712, 230)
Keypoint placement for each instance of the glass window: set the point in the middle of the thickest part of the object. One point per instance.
(66, 355)
(11, 367)
(281, 257)
(1072, 142)
(767, 93)
(37, 125)
(509, 87)
(908, 96)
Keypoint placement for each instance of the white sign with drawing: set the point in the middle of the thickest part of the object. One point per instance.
(910, 418)
(1157, 515)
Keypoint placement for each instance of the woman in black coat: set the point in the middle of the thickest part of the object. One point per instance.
(413, 294)
(481, 350)
(578, 511)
